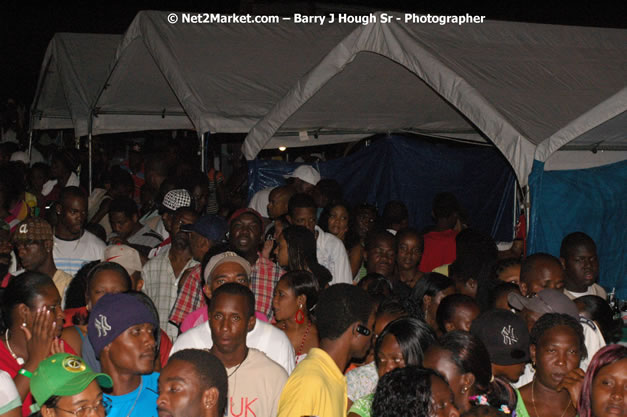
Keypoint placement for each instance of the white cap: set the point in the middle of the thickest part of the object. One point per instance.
(305, 173)
(20, 156)
(125, 256)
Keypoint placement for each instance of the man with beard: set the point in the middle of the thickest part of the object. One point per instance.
(192, 384)
(73, 245)
(163, 275)
(122, 331)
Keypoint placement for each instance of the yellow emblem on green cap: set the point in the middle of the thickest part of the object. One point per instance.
(73, 364)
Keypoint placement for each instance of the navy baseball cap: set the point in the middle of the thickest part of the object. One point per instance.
(211, 226)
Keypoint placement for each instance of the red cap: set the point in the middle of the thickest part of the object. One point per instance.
(241, 211)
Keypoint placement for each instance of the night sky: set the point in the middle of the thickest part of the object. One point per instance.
(27, 29)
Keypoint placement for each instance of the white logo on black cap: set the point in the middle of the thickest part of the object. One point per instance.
(23, 228)
(102, 326)
(509, 338)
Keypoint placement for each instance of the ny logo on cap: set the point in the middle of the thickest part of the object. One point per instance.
(23, 228)
(509, 338)
(102, 325)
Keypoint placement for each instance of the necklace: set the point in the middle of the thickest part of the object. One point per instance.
(302, 342)
(533, 400)
(136, 398)
(240, 364)
(20, 361)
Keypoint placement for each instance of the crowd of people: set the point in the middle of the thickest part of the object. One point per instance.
(158, 294)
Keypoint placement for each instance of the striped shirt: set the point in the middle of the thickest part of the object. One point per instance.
(70, 255)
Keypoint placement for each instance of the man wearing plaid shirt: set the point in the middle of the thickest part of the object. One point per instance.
(245, 231)
(166, 273)
(203, 235)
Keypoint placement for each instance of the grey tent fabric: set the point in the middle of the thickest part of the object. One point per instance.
(206, 77)
(519, 85)
(73, 71)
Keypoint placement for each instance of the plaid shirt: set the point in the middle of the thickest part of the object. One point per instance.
(190, 297)
(264, 276)
(161, 285)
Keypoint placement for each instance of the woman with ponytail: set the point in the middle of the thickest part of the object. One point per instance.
(296, 251)
(465, 363)
(295, 297)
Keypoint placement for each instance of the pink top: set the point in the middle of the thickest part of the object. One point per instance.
(201, 315)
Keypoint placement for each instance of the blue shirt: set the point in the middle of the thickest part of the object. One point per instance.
(141, 402)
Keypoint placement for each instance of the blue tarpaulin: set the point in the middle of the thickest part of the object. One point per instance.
(414, 171)
(593, 201)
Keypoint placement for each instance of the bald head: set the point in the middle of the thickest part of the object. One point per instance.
(278, 199)
(540, 271)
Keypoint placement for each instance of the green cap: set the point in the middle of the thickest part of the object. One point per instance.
(63, 374)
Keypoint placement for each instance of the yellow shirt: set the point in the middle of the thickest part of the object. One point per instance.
(317, 387)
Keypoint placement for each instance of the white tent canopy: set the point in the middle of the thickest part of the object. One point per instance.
(206, 77)
(528, 88)
(72, 73)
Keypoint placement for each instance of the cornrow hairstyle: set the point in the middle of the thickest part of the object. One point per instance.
(549, 320)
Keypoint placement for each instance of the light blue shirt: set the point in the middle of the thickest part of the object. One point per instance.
(141, 402)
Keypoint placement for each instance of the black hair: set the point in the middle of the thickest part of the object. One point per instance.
(447, 308)
(601, 312)
(445, 205)
(150, 305)
(67, 157)
(393, 306)
(491, 291)
(377, 234)
(413, 337)
(119, 177)
(12, 183)
(404, 392)
(377, 286)
(549, 320)
(300, 201)
(108, 266)
(410, 231)
(394, 212)
(469, 355)
(339, 306)
(351, 238)
(302, 253)
(210, 371)
(22, 289)
(474, 243)
(527, 269)
(330, 188)
(573, 241)
(77, 288)
(71, 191)
(233, 288)
(484, 411)
(303, 283)
(124, 205)
(50, 403)
(502, 264)
(430, 284)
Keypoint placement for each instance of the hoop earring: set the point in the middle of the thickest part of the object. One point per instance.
(300, 315)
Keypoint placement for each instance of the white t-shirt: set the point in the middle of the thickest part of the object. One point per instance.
(71, 255)
(10, 398)
(264, 337)
(255, 388)
(260, 201)
(594, 289)
(593, 339)
(332, 254)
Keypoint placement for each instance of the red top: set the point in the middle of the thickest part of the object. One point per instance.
(10, 365)
(439, 250)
